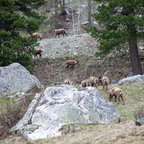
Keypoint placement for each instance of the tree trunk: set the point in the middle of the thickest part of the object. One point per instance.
(132, 41)
(56, 6)
(62, 5)
(133, 48)
(89, 12)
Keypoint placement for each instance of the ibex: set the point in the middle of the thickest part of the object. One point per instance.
(87, 82)
(104, 81)
(117, 92)
(38, 52)
(59, 32)
(37, 35)
(94, 81)
(71, 63)
(67, 81)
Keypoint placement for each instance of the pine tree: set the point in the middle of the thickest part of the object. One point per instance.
(18, 17)
(122, 24)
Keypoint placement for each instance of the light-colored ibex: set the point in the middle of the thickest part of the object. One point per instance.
(71, 63)
(117, 92)
(87, 82)
(104, 81)
(67, 81)
(37, 35)
(94, 81)
(59, 32)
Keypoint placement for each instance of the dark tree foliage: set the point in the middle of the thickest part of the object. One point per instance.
(17, 19)
(122, 24)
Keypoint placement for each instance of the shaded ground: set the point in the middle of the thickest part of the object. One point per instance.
(49, 70)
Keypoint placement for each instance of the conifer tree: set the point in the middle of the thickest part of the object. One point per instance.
(122, 24)
(18, 18)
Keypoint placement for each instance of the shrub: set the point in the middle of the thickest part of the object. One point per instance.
(11, 111)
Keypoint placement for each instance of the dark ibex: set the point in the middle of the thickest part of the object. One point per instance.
(38, 52)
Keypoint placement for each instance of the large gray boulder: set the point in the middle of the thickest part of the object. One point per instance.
(14, 78)
(131, 80)
(62, 105)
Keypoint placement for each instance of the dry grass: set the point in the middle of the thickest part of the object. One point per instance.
(104, 134)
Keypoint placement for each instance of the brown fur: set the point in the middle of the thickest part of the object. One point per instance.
(95, 81)
(58, 32)
(67, 81)
(101, 77)
(37, 35)
(38, 52)
(105, 83)
(87, 82)
(117, 92)
(71, 63)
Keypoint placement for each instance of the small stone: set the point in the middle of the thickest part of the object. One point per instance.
(139, 122)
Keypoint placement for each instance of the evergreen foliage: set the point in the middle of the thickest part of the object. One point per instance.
(18, 18)
(122, 25)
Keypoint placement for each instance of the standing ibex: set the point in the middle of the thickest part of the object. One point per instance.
(117, 92)
(71, 63)
(59, 32)
(38, 52)
(104, 81)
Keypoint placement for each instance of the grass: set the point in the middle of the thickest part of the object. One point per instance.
(133, 97)
(102, 133)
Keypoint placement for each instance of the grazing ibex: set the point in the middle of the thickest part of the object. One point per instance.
(59, 32)
(117, 92)
(87, 82)
(67, 81)
(94, 81)
(71, 63)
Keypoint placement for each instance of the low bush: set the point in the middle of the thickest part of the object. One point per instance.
(11, 111)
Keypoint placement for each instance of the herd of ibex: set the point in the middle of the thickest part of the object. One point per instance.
(57, 32)
(94, 81)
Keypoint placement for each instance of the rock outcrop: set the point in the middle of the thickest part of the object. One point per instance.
(16, 78)
(131, 80)
(58, 106)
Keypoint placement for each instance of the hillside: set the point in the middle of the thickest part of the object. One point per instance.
(121, 133)
(82, 44)
(79, 45)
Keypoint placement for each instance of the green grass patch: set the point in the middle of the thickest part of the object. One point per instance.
(133, 97)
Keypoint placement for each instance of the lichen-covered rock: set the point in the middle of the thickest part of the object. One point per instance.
(131, 80)
(14, 78)
(62, 105)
